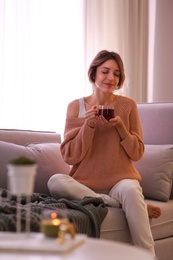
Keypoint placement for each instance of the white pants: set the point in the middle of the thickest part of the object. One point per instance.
(127, 192)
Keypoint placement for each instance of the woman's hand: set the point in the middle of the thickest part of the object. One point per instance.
(118, 123)
(91, 116)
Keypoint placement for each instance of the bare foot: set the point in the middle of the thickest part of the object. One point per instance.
(153, 211)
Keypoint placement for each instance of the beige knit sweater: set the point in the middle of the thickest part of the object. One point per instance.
(99, 158)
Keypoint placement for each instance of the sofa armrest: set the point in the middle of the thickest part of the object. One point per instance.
(24, 137)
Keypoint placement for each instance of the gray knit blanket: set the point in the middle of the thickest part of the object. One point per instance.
(87, 215)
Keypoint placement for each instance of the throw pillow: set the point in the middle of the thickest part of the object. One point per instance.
(47, 156)
(156, 169)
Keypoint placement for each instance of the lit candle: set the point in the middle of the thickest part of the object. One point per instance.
(50, 227)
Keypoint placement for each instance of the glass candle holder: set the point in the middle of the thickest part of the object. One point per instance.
(56, 224)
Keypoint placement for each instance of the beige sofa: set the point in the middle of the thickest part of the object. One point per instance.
(156, 168)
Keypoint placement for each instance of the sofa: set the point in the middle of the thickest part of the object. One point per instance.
(155, 167)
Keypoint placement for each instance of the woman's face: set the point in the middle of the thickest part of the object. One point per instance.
(107, 76)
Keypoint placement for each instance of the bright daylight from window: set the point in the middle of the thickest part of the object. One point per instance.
(42, 62)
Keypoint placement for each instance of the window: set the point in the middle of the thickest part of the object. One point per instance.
(42, 62)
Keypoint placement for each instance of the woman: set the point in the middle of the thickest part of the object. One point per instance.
(102, 152)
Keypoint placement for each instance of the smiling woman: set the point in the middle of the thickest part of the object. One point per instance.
(42, 43)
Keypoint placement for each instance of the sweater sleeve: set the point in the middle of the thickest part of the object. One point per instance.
(133, 143)
(78, 137)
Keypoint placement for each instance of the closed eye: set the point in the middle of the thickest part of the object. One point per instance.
(117, 74)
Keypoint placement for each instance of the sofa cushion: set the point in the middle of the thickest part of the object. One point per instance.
(47, 156)
(115, 226)
(156, 169)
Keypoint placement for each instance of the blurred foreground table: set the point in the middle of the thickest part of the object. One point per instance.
(87, 249)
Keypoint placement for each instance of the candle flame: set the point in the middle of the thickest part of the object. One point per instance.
(55, 222)
(54, 215)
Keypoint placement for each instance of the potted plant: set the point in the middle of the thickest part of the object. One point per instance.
(21, 175)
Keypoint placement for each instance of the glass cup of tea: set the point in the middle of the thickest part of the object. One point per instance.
(106, 111)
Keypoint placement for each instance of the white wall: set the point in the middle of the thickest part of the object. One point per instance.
(163, 52)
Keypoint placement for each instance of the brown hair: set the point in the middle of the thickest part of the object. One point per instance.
(99, 59)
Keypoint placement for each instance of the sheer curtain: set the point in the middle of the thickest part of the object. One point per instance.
(121, 26)
(42, 62)
(46, 47)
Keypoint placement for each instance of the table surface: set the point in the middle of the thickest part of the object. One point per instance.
(89, 249)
